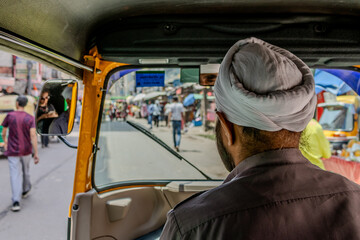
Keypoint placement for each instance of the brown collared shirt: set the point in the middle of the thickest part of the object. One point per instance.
(272, 195)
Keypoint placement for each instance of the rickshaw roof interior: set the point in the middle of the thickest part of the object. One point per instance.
(186, 32)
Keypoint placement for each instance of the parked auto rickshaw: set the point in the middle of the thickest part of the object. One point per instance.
(340, 120)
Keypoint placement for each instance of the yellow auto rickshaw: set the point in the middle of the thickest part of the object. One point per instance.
(340, 120)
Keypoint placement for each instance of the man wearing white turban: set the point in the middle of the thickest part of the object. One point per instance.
(265, 97)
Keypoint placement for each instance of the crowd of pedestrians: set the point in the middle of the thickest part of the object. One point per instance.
(118, 110)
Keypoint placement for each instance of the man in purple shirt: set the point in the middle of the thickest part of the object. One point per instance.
(265, 97)
(19, 146)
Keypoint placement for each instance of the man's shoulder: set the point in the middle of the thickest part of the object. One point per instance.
(29, 117)
(13, 113)
(340, 183)
(243, 194)
(205, 206)
(214, 205)
(18, 114)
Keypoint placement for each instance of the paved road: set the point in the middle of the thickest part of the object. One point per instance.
(128, 154)
(200, 151)
(44, 213)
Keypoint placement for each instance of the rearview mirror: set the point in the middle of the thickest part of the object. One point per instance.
(208, 74)
(55, 112)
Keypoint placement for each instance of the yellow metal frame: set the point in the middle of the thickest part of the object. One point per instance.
(93, 83)
(72, 107)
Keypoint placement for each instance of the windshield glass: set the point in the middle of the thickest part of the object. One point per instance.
(144, 98)
(337, 118)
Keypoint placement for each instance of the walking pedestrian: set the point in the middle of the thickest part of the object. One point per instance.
(112, 112)
(150, 110)
(176, 115)
(156, 113)
(143, 111)
(167, 112)
(19, 146)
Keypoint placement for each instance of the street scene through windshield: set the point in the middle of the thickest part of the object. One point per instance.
(180, 114)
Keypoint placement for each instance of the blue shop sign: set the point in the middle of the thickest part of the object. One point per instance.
(150, 78)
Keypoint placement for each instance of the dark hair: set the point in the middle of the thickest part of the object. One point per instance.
(21, 100)
(176, 99)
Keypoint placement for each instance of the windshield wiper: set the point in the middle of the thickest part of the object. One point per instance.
(159, 141)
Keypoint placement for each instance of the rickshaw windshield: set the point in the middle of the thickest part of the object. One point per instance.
(337, 118)
(136, 137)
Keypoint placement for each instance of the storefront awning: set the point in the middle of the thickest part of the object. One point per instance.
(153, 95)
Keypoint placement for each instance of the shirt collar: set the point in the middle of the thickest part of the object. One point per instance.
(279, 156)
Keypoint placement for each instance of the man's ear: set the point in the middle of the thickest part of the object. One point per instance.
(228, 128)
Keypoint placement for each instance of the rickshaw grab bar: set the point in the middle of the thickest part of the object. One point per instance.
(67, 143)
(10, 38)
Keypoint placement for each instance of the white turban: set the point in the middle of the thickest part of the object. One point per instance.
(265, 87)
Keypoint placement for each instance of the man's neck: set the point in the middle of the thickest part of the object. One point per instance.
(20, 109)
(268, 141)
(246, 154)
